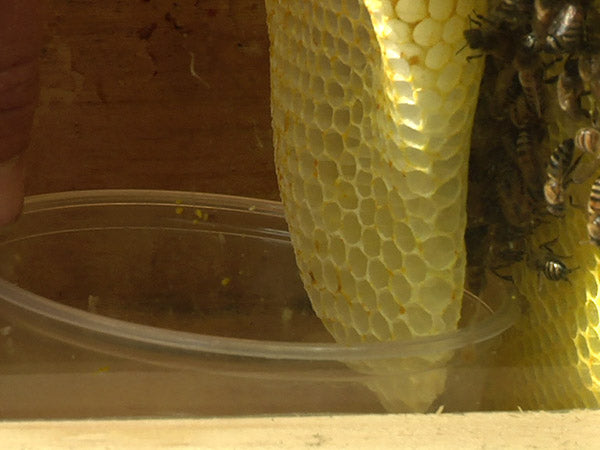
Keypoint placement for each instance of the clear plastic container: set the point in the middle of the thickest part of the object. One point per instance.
(152, 303)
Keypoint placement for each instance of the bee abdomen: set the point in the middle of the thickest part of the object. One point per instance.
(532, 83)
(588, 140)
(555, 270)
(560, 159)
(565, 34)
(594, 201)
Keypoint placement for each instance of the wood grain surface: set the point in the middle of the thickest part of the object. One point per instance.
(573, 430)
(154, 94)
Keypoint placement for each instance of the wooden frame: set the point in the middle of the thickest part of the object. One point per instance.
(572, 429)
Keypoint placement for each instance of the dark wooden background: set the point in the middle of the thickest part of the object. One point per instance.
(120, 107)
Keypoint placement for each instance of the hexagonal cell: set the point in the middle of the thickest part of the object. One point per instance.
(388, 306)
(332, 217)
(366, 295)
(420, 322)
(378, 274)
(366, 211)
(411, 11)
(450, 168)
(592, 313)
(415, 268)
(347, 166)
(349, 285)
(428, 32)
(379, 327)
(346, 29)
(448, 220)
(323, 116)
(306, 165)
(305, 219)
(360, 319)
(400, 330)
(331, 20)
(370, 242)
(399, 288)
(341, 119)
(316, 143)
(448, 77)
(357, 261)
(351, 228)
(421, 207)
(342, 50)
(435, 293)
(331, 278)
(582, 347)
(346, 195)
(447, 193)
(403, 237)
(440, 252)
(314, 195)
(337, 250)
(341, 72)
(327, 171)
(321, 242)
(422, 228)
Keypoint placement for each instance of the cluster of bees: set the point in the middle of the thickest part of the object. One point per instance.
(537, 52)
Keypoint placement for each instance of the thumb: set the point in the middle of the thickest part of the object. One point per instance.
(20, 45)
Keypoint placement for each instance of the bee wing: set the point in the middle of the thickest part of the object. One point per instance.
(584, 169)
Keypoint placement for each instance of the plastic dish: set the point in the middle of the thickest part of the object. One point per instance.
(156, 303)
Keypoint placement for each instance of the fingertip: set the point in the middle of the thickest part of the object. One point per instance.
(12, 189)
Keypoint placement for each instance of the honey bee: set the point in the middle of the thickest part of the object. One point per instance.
(548, 264)
(516, 13)
(569, 90)
(505, 90)
(520, 113)
(531, 77)
(490, 40)
(506, 246)
(544, 12)
(589, 71)
(515, 202)
(532, 82)
(588, 140)
(565, 32)
(558, 173)
(525, 159)
(554, 269)
(593, 210)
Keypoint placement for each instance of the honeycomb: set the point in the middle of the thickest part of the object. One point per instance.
(372, 107)
(554, 351)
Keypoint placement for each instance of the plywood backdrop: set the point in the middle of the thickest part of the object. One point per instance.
(154, 94)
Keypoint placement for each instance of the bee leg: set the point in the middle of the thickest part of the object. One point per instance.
(551, 80)
(481, 18)
(549, 64)
(504, 277)
(595, 117)
(472, 21)
(461, 49)
(470, 57)
(568, 178)
(546, 245)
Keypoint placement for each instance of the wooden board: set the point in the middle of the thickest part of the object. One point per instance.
(575, 429)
